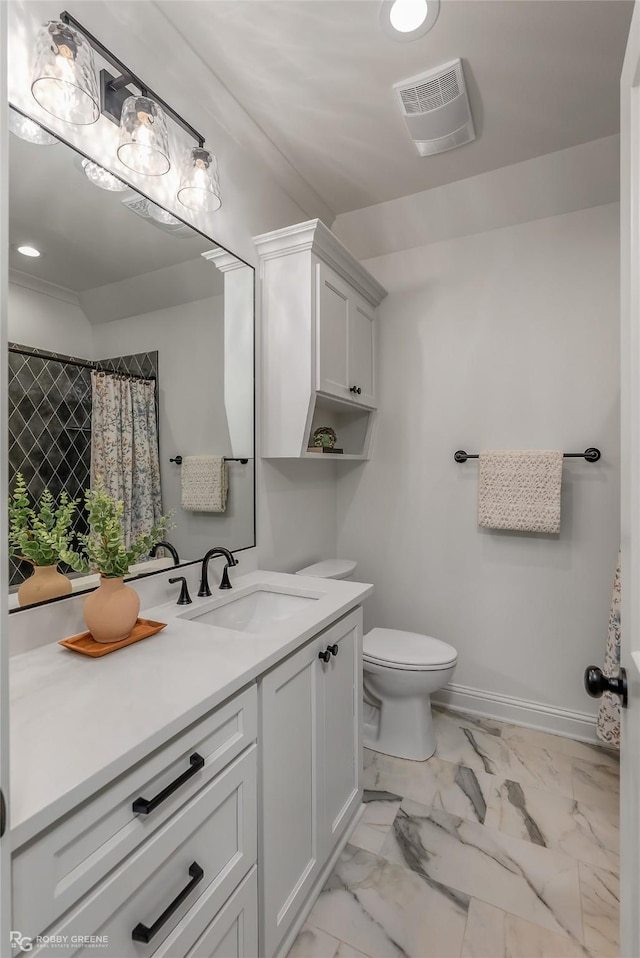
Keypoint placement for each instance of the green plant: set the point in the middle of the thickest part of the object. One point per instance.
(103, 549)
(39, 534)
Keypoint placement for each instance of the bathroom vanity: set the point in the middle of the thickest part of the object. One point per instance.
(188, 795)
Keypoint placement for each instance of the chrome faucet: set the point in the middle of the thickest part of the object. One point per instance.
(224, 581)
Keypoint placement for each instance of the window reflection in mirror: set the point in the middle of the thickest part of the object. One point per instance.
(130, 344)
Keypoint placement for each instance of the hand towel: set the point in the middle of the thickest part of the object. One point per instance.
(520, 489)
(204, 483)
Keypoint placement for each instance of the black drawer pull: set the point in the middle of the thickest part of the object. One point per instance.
(144, 806)
(333, 649)
(143, 932)
(325, 656)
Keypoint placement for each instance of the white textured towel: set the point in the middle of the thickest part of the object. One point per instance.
(520, 489)
(204, 483)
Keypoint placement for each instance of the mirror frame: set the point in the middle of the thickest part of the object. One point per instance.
(181, 565)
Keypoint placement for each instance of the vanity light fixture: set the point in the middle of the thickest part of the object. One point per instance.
(24, 128)
(199, 182)
(144, 138)
(102, 178)
(64, 78)
(65, 85)
(29, 251)
(408, 19)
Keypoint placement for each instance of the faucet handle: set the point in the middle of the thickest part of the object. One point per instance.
(185, 598)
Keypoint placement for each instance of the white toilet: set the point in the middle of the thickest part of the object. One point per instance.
(401, 670)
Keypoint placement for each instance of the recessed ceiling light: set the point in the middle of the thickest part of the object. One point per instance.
(29, 130)
(102, 178)
(408, 19)
(28, 251)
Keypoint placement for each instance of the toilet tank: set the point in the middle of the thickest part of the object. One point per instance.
(330, 569)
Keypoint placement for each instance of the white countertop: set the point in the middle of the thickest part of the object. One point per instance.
(78, 722)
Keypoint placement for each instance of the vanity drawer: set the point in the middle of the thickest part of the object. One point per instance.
(54, 871)
(233, 933)
(215, 833)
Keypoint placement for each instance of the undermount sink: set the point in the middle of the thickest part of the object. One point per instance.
(260, 610)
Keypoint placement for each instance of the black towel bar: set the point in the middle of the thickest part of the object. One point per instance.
(591, 455)
(178, 460)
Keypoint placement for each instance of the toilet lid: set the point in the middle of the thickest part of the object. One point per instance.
(410, 650)
(330, 569)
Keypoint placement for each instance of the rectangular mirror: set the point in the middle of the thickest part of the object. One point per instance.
(128, 316)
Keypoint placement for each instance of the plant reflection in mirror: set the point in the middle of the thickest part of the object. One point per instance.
(102, 549)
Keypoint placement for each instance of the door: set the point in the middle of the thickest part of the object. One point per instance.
(361, 356)
(5, 861)
(291, 846)
(341, 686)
(332, 323)
(630, 511)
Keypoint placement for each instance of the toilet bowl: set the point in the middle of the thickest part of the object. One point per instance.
(401, 671)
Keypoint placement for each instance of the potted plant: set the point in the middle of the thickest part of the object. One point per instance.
(39, 534)
(111, 611)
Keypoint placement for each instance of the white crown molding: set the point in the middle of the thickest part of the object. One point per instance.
(225, 261)
(315, 236)
(506, 708)
(43, 286)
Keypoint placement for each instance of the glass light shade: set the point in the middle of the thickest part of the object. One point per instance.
(64, 78)
(102, 178)
(199, 181)
(29, 130)
(144, 140)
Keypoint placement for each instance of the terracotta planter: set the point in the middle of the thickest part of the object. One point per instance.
(111, 611)
(44, 583)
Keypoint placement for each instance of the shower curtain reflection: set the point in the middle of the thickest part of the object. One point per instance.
(124, 448)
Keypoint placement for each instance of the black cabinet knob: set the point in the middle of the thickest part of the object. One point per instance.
(325, 656)
(355, 389)
(333, 649)
(596, 682)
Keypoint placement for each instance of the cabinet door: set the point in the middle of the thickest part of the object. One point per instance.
(332, 323)
(361, 349)
(291, 855)
(342, 692)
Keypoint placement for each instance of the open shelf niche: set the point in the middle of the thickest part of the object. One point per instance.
(353, 428)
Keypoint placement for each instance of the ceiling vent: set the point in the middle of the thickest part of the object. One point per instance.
(158, 217)
(435, 107)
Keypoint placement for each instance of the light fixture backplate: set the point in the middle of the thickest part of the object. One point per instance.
(112, 99)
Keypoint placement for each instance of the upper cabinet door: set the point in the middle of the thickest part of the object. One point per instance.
(361, 350)
(332, 324)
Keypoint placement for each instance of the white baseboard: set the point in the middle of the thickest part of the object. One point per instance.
(506, 708)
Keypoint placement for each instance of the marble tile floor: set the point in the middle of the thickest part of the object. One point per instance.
(504, 844)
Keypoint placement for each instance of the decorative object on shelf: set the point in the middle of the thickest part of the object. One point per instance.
(324, 436)
(39, 536)
(87, 645)
(66, 85)
(112, 609)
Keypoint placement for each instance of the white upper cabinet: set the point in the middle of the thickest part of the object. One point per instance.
(318, 343)
(345, 340)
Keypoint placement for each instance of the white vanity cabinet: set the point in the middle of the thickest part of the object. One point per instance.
(311, 766)
(318, 342)
(142, 879)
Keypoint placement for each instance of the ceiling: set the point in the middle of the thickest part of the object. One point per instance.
(317, 76)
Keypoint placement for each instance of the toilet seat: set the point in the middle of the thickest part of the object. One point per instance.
(410, 651)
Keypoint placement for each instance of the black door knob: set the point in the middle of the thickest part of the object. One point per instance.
(333, 649)
(596, 682)
(325, 656)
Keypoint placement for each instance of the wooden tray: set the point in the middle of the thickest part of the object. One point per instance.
(87, 645)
